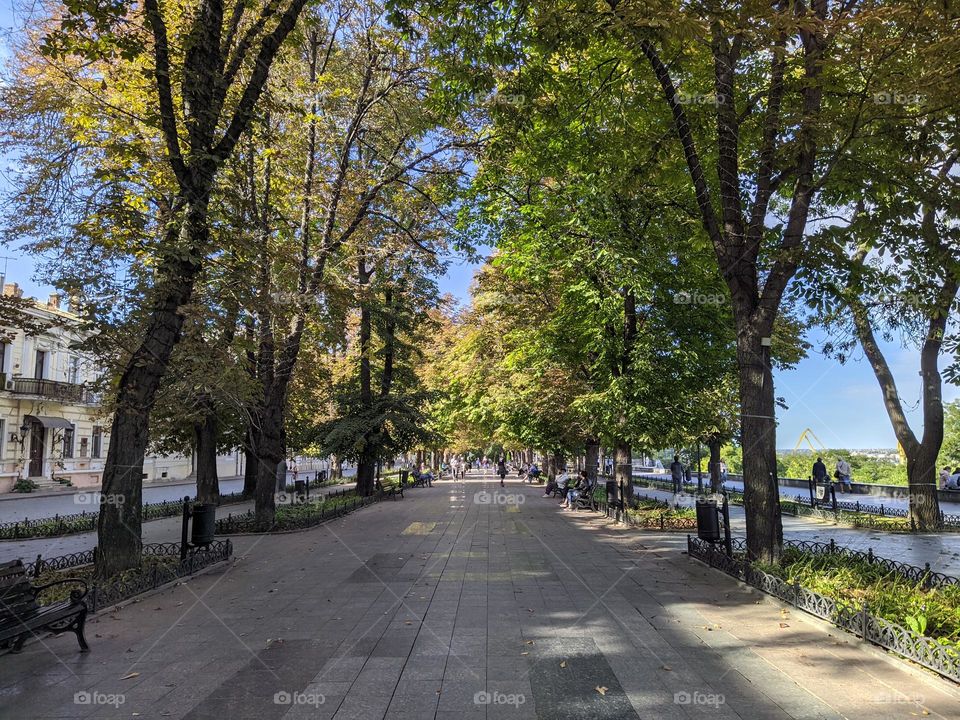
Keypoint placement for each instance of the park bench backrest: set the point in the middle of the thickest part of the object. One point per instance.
(16, 594)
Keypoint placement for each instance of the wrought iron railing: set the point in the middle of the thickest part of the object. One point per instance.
(106, 594)
(941, 657)
(305, 517)
(849, 513)
(52, 389)
(87, 521)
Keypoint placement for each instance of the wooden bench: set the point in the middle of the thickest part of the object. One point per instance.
(391, 489)
(21, 616)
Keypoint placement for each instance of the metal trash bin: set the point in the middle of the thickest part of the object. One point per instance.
(299, 487)
(204, 524)
(404, 474)
(708, 521)
(611, 492)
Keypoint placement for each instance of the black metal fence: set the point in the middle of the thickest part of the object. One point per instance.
(943, 658)
(105, 594)
(647, 521)
(303, 516)
(82, 522)
(857, 514)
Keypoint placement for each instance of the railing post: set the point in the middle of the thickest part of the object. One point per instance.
(870, 555)
(37, 568)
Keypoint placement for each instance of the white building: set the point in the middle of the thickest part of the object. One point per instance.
(52, 428)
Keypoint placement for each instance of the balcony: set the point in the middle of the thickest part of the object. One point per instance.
(50, 389)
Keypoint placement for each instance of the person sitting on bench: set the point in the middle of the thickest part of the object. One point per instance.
(583, 484)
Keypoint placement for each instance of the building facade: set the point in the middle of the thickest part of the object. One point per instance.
(53, 430)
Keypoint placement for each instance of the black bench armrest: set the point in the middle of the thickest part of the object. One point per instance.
(75, 594)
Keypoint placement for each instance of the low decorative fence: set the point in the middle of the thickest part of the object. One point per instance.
(647, 521)
(105, 594)
(304, 518)
(857, 514)
(941, 658)
(87, 521)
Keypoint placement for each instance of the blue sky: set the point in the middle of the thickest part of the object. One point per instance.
(841, 404)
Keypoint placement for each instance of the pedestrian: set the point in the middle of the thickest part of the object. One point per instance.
(820, 477)
(723, 472)
(944, 476)
(842, 474)
(501, 469)
(676, 473)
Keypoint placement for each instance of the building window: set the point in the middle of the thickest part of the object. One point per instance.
(3, 437)
(73, 371)
(97, 441)
(41, 362)
(3, 358)
(68, 435)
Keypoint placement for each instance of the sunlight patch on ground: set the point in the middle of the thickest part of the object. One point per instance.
(418, 528)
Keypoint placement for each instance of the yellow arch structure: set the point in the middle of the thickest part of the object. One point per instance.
(806, 435)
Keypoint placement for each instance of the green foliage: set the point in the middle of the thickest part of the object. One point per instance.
(853, 583)
(24, 485)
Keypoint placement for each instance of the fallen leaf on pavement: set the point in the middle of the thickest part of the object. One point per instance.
(602, 690)
(130, 675)
(563, 663)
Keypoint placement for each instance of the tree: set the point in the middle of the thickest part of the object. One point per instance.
(211, 63)
(890, 263)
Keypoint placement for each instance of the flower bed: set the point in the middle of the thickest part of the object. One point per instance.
(160, 564)
(861, 593)
(651, 514)
(299, 515)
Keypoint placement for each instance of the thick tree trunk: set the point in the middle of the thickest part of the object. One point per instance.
(206, 432)
(623, 468)
(591, 458)
(270, 453)
(923, 481)
(119, 522)
(715, 480)
(366, 472)
(761, 490)
(250, 464)
(336, 468)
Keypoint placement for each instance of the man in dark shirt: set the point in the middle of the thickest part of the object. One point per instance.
(820, 475)
(676, 473)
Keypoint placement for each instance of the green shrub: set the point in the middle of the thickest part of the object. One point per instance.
(850, 582)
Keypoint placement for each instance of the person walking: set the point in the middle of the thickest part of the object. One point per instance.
(820, 477)
(501, 469)
(842, 474)
(676, 474)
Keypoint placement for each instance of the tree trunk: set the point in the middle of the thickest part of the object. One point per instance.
(250, 465)
(923, 481)
(270, 453)
(591, 459)
(761, 496)
(366, 469)
(119, 521)
(206, 432)
(623, 469)
(715, 480)
(336, 467)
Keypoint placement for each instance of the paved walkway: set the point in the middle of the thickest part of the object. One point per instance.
(450, 605)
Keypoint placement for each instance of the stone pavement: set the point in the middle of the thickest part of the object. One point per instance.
(452, 604)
